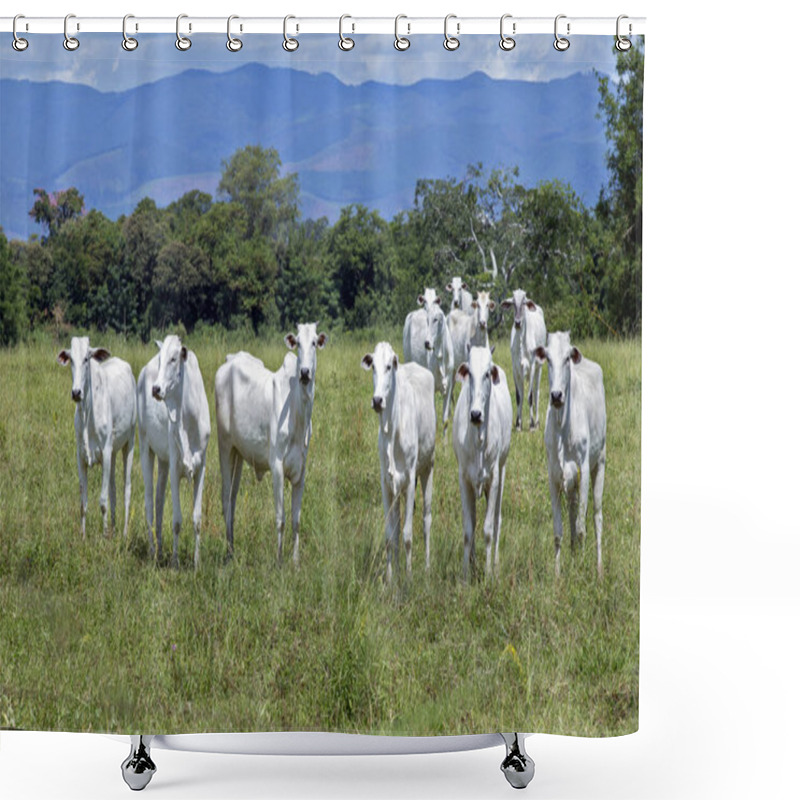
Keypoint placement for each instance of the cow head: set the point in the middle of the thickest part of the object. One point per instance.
(456, 286)
(171, 357)
(383, 363)
(560, 355)
(306, 342)
(432, 304)
(483, 306)
(480, 374)
(519, 302)
(79, 355)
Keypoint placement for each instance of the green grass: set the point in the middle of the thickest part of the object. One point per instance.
(95, 637)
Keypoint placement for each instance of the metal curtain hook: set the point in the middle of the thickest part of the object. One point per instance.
(181, 42)
(70, 42)
(623, 42)
(507, 42)
(561, 44)
(128, 42)
(289, 44)
(233, 44)
(345, 42)
(19, 44)
(400, 42)
(451, 42)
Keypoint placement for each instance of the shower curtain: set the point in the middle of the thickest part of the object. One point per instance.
(274, 281)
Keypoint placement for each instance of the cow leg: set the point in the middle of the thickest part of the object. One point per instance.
(518, 392)
(161, 495)
(492, 502)
(572, 508)
(177, 517)
(280, 517)
(468, 522)
(147, 460)
(112, 490)
(427, 515)
(558, 525)
(498, 516)
(297, 502)
(226, 455)
(598, 479)
(236, 478)
(583, 501)
(533, 397)
(408, 522)
(127, 453)
(197, 509)
(391, 518)
(83, 481)
(104, 487)
(448, 394)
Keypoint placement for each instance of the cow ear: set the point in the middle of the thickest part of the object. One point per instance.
(395, 362)
(469, 347)
(541, 354)
(100, 354)
(184, 353)
(492, 305)
(576, 356)
(366, 362)
(290, 340)
(420, 300)
(158, 343)
(321, 339)
(531, 305)
(64, 358)
(464, 286)
(474, 303)
(492, 350)
(506, 304)
(495, 374)
(449, 287)
(438, 300)
(462, 373)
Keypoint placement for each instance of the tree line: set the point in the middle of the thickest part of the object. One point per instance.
(248, 259)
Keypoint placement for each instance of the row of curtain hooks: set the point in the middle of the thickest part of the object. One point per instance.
(290, 44)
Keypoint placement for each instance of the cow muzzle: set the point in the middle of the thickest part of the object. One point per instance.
(476, 416)
(517, 323)
(428, 345)
(77, 395)
(556, 399)
(377, 403)
(157, 393)
(305, 375)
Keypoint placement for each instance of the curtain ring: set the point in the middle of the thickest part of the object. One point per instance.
(345, 42)
(450, 42)
(19, 44)
(400, 42)
(506, 42)
(289, 44)
(70, 42)
(233, 44)
(128, 42)
(561, 44)
(623, 42)
(183, 43)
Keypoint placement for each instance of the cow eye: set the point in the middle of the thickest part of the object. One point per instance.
(388, 367)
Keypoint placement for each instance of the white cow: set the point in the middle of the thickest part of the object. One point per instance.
(470, 329)
(481, 440)
(105, 421)
(403, 397)
(264, 418)
(462, 299)
(427, 342)
(575, 439)
(527, 333)
(174, 427)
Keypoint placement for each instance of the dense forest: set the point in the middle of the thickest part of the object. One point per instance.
(246, 259)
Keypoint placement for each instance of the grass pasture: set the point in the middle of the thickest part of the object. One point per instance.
(95, 637)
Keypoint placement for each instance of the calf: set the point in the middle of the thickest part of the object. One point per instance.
(575, 439)
(264, 418)
(174, 427)
(105, 421)
(427, 342)
(527, 333)
(403, 398)
(481, 440)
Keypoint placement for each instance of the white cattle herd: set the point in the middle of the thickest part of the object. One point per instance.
(264, 419)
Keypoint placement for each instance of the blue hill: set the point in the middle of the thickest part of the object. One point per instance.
(367, 143)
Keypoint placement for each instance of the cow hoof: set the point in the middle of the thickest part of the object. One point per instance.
(517, 766)
(138, 768)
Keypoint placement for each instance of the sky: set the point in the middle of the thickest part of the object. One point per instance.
(100, 61)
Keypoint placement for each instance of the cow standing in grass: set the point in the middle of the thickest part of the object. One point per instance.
(427, 342)
(527, 333)
(264, 418)
(403, 398)
(575, 439)
(462, 299)
(470, 329)
(481, 441)
(104, 393)
(174, 427)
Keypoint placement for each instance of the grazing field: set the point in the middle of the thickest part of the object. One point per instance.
(96, 637)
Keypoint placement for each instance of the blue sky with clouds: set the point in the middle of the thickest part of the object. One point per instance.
(101, 62)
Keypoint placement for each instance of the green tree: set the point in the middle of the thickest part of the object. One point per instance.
(12, 295)
(181, 282)
(251, 177)
(53, 210)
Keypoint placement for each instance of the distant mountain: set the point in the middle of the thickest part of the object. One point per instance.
(367, 143)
